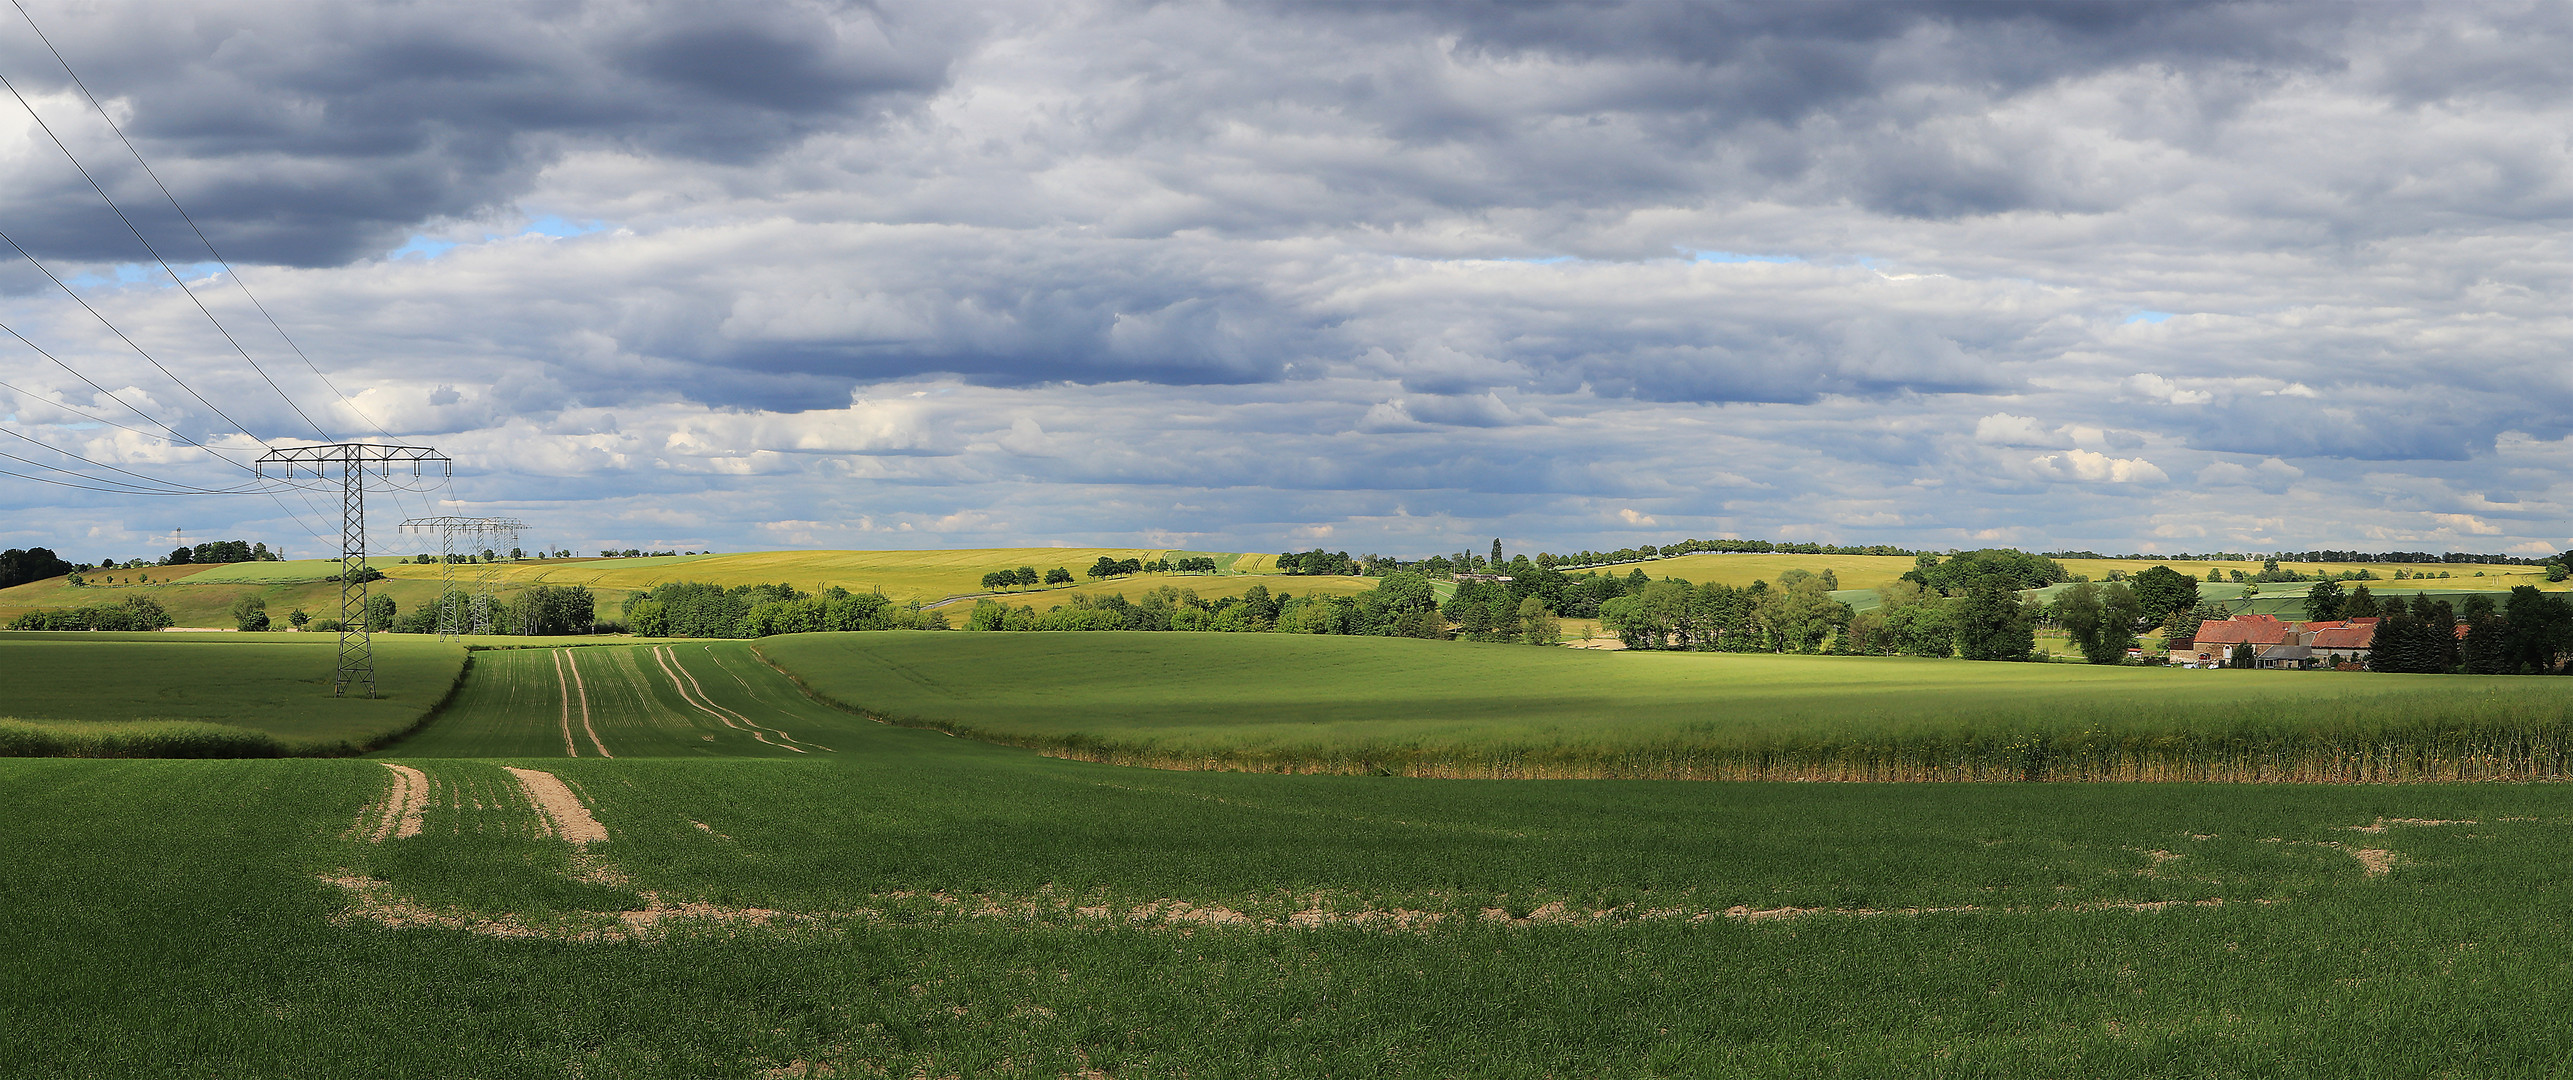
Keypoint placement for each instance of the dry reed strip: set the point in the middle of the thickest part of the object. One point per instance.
(2443, 761)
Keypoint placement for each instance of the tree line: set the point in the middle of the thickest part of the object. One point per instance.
(693, 609)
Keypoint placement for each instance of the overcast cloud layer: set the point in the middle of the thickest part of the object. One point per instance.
(1393, 278)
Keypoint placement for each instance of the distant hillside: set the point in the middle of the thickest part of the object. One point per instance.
(202, 595)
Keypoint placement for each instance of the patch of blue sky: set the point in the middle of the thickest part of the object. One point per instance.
(422, 247)
(2149, 317)
(1736, 257)
(130, 274)
(554, 225)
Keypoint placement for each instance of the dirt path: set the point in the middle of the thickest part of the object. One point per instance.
(580, 690)
(571, 819)
(565, 681)
(680, 678)
(402, 807)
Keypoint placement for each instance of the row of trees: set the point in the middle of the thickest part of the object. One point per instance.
(2531, 633)
(692, 609)
(1402, 604)
(1024, 577)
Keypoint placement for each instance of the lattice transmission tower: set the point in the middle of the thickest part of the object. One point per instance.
(358, 466)
(458, 612)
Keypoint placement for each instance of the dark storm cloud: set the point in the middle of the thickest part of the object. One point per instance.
(1374, 275)
(312, 134)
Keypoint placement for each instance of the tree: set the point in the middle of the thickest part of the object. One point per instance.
(380, 610)
(2555, 571)
(1991, 626)
(2243, 657)
(297, 618)
(1800, 612)
(1058, 576)
(250, 614)
(2012, 570)
(2161, 590)
(2361, 604)
(32, 564)
(2540, 629)
(1496, 553)
(1538, 625)
(1025, 575)
(2324, 602)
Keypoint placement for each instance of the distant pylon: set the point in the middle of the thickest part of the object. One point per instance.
(455, 608)
(354, 462)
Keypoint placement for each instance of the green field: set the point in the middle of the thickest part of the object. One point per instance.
(1331, 704)
(272, 685)
(911, 904)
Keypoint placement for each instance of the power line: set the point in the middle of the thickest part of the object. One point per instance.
(129, 342)
(111, 396)
(299, 521)
(156, 252)
(237, 280)
(186, 489)
(86, 487)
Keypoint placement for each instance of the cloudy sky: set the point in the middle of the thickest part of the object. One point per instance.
(1376, 277)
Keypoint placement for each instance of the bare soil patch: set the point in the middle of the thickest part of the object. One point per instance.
(399, 814)
(570, 817)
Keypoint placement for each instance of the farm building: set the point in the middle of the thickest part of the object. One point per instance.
(2280, 644)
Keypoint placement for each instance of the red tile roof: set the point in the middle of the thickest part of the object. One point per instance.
(2344, 637)
(2261, 630)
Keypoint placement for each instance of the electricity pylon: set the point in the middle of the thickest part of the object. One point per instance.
(359, 466)
(495, 534)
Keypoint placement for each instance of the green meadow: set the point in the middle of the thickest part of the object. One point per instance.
(893, 901)
(147, 695)
(1296, 703)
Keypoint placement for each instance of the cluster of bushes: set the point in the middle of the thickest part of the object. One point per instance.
(1795, 615)
(690, 609)
(1314, 562)
(131, 613)
(222, 551)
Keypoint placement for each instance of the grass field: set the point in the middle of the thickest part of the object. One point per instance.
(274, 685)
(1322, 704)
(686, 698)
(909, 904)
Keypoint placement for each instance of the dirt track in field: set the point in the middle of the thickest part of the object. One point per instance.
(570, 818)
(398, 817)
(575, 689)
(699, 700)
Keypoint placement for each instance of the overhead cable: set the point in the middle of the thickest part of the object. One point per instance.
(237, 280)
(175, 279)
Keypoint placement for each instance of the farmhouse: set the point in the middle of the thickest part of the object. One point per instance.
(2280, 644)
